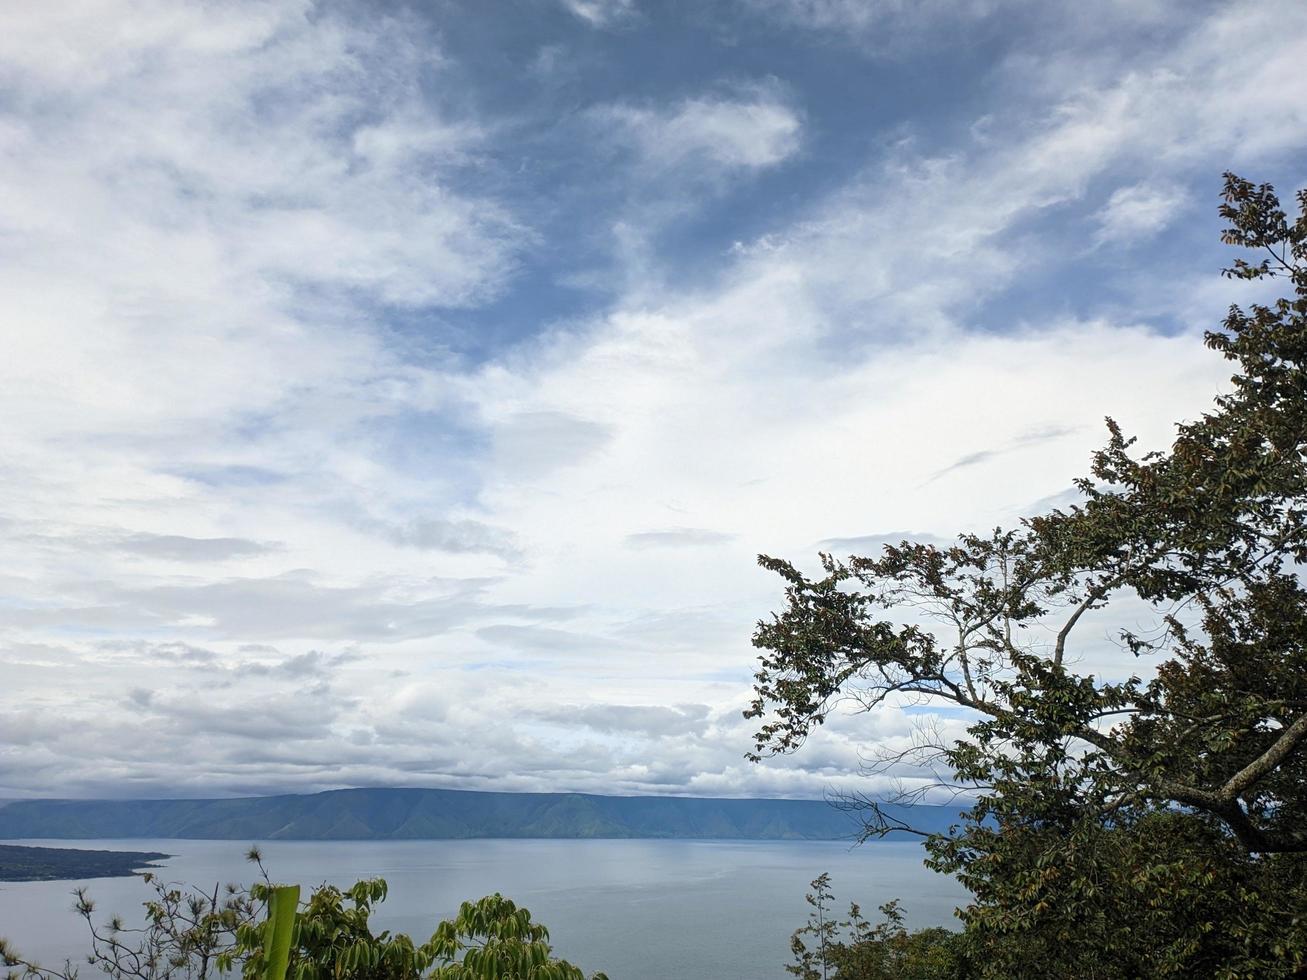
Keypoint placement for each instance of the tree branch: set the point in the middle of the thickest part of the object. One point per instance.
(1267, 761)
(1092, 597)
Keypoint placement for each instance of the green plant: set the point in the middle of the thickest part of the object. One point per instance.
(857, 949)
(490, 939)
(267, 934)
(283, 904)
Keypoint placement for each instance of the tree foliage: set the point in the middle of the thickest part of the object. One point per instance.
(333, 938)
(189, 935)
(828, 948)
(1145, 825)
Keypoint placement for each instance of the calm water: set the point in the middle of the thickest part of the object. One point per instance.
(639, 910)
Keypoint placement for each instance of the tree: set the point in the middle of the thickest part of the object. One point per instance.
(495, 938)
(185, 934)
(189, 935)
(1090, 794)
(855, 949)
(822, 927)
(333, 938)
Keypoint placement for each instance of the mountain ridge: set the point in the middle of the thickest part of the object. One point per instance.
(446, 814)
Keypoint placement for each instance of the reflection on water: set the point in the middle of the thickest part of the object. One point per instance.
(639, 910)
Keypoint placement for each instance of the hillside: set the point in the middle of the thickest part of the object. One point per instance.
(408, 814)
(57, 864)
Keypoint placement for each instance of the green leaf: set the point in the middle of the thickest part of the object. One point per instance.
(282, 906)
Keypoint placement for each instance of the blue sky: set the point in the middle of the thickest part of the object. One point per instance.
(399, 394)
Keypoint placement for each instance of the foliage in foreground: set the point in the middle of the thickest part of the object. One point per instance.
(191, 935)
(1123, 827)
(829, 948)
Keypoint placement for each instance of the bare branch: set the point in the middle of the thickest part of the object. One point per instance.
(1094, 595)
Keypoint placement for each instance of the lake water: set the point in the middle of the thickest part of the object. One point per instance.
(637, 909)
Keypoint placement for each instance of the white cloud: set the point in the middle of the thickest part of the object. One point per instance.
(601, 13)
(214, 203)
(1138, 212)
(832, 379)
(191, 182)
(210, 445)
(751, 129)
(677, 537)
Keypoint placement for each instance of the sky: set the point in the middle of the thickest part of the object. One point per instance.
(401, 393)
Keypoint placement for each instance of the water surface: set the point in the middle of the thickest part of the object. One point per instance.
(637, 909)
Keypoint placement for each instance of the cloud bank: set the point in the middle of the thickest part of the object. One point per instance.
(344, 446)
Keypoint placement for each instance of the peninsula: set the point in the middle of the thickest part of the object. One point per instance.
(19, 863)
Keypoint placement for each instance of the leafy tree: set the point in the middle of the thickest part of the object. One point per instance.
(495, 938)
(1120, 827)
(333, 938)
(189, 935)
(855, 949)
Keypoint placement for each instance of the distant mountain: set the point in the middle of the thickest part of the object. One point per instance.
(439, 814)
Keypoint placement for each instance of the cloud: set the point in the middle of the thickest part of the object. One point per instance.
(871, 544)
(145, 544)
(678, 537)
(1138, 212)
(303, 666)
(178, 653)
(178, 547)
(653, 721)
(289, 606)
(283, 273)
(538, 442)
(546, 639)
(601, 13)
(461, 536)
(141, 696)
(300, 715)
(751, 129)
(1022, 441)
(214, 177)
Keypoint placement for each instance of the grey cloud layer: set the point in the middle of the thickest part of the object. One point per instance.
(178, 547)
(457, 536)
(677, 537)
(285, 607)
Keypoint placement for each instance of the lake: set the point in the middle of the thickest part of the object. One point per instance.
(637, 909)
